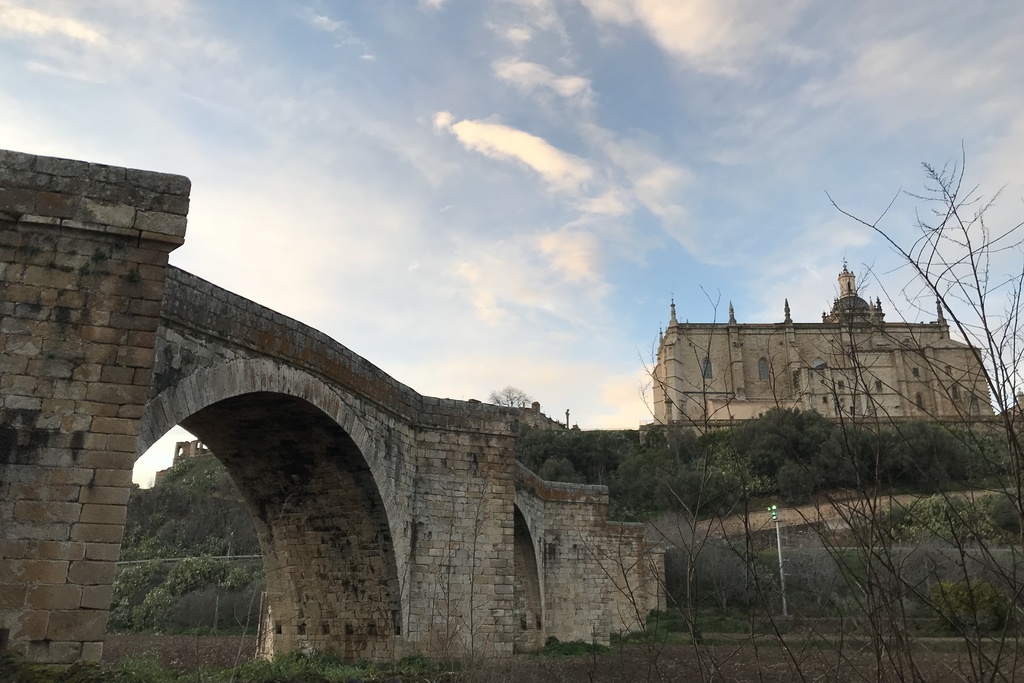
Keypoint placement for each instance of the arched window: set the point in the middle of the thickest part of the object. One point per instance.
(762, 369)
(955, 391)
(706, 368)
(919, 401)
(819, 364)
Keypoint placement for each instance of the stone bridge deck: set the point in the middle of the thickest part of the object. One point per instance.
(390, 522)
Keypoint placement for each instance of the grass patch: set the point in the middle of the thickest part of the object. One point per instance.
(553, 647)
(292, 667)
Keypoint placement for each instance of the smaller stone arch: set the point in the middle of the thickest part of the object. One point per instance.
(528, 596)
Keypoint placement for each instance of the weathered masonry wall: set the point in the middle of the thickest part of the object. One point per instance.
(432, 477)
(83, 256)
(390, 522)
(597, 577)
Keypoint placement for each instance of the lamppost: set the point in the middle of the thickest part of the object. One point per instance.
(774, 509)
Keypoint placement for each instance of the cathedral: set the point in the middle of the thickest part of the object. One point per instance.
(853, 364)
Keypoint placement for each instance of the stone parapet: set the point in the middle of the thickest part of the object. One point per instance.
(77, 194)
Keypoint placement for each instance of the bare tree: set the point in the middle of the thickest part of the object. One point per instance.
(510, 396)
(868, 596)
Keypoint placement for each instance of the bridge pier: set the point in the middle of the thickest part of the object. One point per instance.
(83, 258)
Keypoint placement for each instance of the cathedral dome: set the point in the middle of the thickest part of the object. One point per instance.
(849, 305)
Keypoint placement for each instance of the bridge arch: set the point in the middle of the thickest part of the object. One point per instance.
(292, 443)
(527, 588)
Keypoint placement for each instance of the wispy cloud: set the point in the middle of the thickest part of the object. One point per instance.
(712, 35)
(29, 22)
(560, 170)
(576, 255)
(528, 76)
(325, 23)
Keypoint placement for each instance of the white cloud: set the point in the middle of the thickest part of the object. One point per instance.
(30, 22)
(560, 170)
(432, 4)
(576, 255)
(443, 121)
(610, 203)
(518, 35)
(715, 35)
(325, 23)
(529, 75)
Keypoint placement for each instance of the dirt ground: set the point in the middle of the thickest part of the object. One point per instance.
(182, 652)
(676, 663)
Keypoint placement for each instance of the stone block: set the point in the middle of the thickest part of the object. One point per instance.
(119, 477)
(92, 573)
(104, 495)
(46, 511)
(10, 159)
(104, 514)
(31, 625)
(12, 595)
(107, 213)
(103, 392)
(103, 335)
(110, 425)
(57, 550)
(54, 596)
(68, 475)
(164, 224)
(60, 167)
(115, 374)
(56, 205)
(17, 201)
(42, 493)
(135, 357)
(55, 653)
(75, 423)
(105, 552)
(92, 652)
(164, 183)
(109, 459)
(124, 443)
(105, 173)
(33, 571)
(98, 533)
(76, 624)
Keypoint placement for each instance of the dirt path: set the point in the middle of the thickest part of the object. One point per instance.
(834, 512)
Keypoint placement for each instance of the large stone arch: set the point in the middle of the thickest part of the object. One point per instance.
(312, 471)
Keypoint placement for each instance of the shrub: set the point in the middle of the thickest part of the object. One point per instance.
(970, 606)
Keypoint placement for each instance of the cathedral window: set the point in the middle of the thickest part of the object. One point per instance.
(819, 364)
(919, 400)
(954, 391)
(878, 385)
(915, 372)
(975, 403)
(706, 368)
(762, 369)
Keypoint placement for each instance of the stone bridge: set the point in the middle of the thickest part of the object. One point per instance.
(390, 523)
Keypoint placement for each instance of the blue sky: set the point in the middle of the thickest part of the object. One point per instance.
(474, 193)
